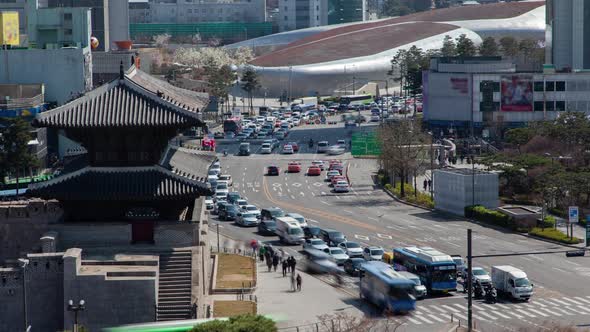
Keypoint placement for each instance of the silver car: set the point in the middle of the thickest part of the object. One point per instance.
(337, 255)
(314, 243)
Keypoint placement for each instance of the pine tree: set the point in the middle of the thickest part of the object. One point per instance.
(250, 83)
(465, 46)
(509, 46)
(449, 48)
(489, 47)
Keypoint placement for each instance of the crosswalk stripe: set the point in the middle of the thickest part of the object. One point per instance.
(414, 321)
(538, 312)
(571, 300)
(436, 318)
(554, 313)
(582, 299)
(583, 308)
(451, 309)
(487, 315)
(477, 306)
(501, 315)
(563, 311)
(460, 316)
(525, 313)
(461, 306)
(503, 306)
(514, 314)
(424, 319)
(479, 317)
(576, 310)
(439, 309)
(547, 301)
(561, 302)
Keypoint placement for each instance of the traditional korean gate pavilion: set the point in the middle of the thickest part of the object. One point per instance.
(126, 129)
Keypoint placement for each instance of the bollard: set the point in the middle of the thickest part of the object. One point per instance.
(333, 325)
(297, 328)
(317, 327)
(452, 318)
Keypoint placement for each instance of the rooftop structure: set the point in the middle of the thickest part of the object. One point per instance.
(327, 60)
(455, 189)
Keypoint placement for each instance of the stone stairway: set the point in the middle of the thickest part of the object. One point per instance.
(174, 286)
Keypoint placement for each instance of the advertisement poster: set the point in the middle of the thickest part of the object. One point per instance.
(9, 28)
(517, 94)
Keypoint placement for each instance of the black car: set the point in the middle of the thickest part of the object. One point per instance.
(229, 212)
(271, 213)
(352, 266)
(219, 206)
(311, 231)
(332, 237)
(232, 197)
(273, 170)
(267, 227)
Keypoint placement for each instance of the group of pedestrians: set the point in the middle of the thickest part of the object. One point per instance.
(273, 258)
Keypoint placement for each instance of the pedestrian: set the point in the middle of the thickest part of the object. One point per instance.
(425, 184)
(282, 258)
(285, 266)
(462, 159)
(275, 262)
(293, 263)
(293, 282)
(268, 262)
(429, 184)
(298, 282)
(261, 253)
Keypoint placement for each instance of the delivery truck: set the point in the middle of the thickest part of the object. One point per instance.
(511, 281)
(289, 230)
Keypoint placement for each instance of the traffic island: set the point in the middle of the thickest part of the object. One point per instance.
(234, 274)
(233, 308)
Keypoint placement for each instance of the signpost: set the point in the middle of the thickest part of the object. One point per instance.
(573, 214)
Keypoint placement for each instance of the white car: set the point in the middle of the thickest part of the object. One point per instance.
(266, 148)
(332, 173)
(214, 173)
(296, 121)
(241, 203)
(225, 178)
(314, 243)
(222, 187)
(341, 187)
(299, 218)
(288, 149)
(337, 255)
(220, 196)
(251, 209)
(478, 273)
(323, 146)
(352, 249)
(209, 204)
(335, 150)
(373, 253)
(319, 163)
(375, 118)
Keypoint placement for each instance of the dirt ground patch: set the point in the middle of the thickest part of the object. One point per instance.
(233, 271)
(233, 308)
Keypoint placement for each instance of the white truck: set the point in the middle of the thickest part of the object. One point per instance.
(512, 281)
(289, 230)
(306, 100)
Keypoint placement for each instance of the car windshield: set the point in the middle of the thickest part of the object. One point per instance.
(222, 186)
(241, 202)
(277, 213)
(352, 245)
(336, 235)
(265, 145)
(336, 251)
(458, 261)
(522, 282)
(479, 272)
(317, 242)
(224, 177)
(208, 198)
(270, 223)
(443, 275)
(376, 252)
(212, 172)
(295, 231)
(251, 208)
(249, 215)
(231, 208)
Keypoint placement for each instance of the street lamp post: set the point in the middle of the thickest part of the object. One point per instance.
(75, 308)
(431, 163)
(24, 263)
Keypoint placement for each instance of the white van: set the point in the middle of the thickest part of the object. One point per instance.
(289, 230)
(323, 146)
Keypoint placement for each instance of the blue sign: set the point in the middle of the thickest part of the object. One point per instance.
(573, 214)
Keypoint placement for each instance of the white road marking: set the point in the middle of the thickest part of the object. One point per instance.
(385, 236)
(424, 319)
(460, 316)
(276, 184)
(558, 269)
(323, 193)
(501, 315)
(525, 313)
(347, 211)
(571, 300)
(302, 194)
(437, 308)
(561, 302)
(317, 184)
(451, 309)
(313, 221)
(547, 310)
(312, 194)
(487, 315)
(435, 318)
(296, 184)
(538, 312)
(371, 218)
(292, 197)
(455, 245)
(324, 202)
(572, 263)
(361, 237)
(337, 196)
(581, 299)
(288, 190)
(414, 321)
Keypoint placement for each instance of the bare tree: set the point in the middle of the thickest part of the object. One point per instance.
(162, 40)
(345, 322)
(404, 148)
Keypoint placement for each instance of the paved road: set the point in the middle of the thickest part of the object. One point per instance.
(369, 216)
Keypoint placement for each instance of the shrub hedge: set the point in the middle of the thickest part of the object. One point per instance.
(553, 234)
(421, 198)
(481, 213)
(549, 222)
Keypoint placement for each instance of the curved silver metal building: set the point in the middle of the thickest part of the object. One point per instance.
(336, 59)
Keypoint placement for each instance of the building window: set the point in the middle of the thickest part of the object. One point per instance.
(286, 18)
(550, 106)
(317, 18)
(560, 105)
(317, 8)
(549, 86)
(560, 86)
(67, 16)
(190, 11)
(538, 106)
(286, 8)
(68, 32)
(538, 86)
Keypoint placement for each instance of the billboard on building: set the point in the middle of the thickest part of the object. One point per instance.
(517, 93)
(9, 28)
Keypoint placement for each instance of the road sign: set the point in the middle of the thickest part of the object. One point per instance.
(573, 214)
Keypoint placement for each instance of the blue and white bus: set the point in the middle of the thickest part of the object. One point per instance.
(436, 270)
(381, 285)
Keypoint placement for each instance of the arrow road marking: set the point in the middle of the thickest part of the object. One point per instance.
(296, 184)
(361, 237)
(385, 236)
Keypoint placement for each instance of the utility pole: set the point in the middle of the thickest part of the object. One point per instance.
(218, 237)
(469, 286)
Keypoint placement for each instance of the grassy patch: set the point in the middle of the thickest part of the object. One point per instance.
(553, 234)
(235, 270)
(233, 308)
(421, 198)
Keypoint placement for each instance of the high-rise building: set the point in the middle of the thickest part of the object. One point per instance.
(301, 14)
(568, 34)
(188, 11)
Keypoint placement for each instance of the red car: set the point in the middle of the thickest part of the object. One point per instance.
(294, 167)
(335, 179)
(314, 170)
(337, 167)
(277, 123)
(295, 146)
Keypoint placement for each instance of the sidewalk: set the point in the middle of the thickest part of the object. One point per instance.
(295, 308)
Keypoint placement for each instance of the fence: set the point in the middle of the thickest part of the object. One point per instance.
(236, 251)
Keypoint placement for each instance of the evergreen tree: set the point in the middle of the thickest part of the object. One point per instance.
(250, 83)
(465, 46)
(449, 48)
(489, 47)
(509, 46)
(15, 156)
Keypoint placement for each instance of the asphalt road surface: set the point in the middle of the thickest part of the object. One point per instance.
(369, 216)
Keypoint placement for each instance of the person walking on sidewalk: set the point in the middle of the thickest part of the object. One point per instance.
(425, 184)
(299, 282)
(275, 261)
(293, 283)
(285, 267)
(261, 253)
(268, 262)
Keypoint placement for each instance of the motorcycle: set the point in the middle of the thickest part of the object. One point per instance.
(311, 143)
(225, 153)
(491, 294)
(478, 291)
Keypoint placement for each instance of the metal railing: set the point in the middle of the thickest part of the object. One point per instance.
(22, 102)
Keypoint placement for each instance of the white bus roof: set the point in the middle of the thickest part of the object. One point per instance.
(429, 254)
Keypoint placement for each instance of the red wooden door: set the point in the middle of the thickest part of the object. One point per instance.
(142, 232)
